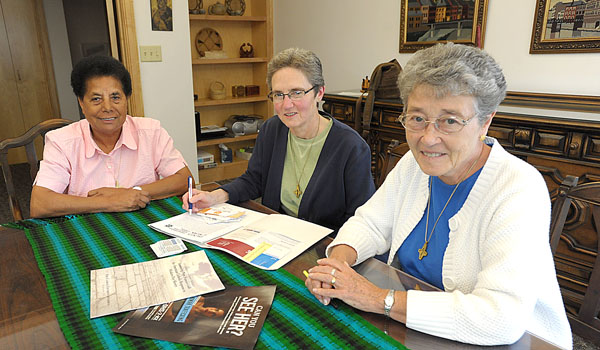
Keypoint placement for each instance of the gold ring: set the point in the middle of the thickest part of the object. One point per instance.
(332, 281)
(333, 272)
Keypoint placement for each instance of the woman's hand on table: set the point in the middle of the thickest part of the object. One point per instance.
(121, 199)
(202, 199)
(332, 278)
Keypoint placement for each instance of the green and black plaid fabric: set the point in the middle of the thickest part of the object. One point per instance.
(66, 251)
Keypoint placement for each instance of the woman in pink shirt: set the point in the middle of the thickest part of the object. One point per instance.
(109, 161)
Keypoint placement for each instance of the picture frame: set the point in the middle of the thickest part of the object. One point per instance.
(422, 26)
(161, 15)
(562, 26)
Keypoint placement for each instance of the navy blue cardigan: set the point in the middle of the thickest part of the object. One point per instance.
(340, 183)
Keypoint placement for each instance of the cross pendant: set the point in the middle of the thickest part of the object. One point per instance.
(423, 251)
(298, 192)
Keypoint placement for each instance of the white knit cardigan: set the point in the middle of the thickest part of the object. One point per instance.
(498, 272)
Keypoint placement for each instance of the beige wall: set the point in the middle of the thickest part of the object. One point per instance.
(167, 85)
(352, 36)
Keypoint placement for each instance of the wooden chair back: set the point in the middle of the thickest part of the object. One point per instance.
(392, 156)
(26, 140)
(577, 208)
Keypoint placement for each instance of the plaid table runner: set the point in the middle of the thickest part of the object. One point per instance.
(66, 251)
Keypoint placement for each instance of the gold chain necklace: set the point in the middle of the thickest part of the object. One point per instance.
(423, 250)
(298, 192)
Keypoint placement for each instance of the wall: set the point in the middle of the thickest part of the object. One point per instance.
(61, 58)
(167, 85)
(352, 36)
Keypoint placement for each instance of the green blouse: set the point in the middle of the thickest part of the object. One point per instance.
(300, 161)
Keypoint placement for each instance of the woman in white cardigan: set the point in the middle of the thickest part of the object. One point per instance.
(459, 212)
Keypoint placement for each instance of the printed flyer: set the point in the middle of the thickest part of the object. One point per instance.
(229, 318)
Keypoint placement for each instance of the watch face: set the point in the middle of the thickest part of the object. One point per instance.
(389, 299)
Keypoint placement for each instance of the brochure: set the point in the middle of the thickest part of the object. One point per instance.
(209, 224)
(230, 318)
(265, 241)
(128, 287)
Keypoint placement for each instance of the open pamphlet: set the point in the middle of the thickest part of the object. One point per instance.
(133, 286)
(231, 318)
(265, 241)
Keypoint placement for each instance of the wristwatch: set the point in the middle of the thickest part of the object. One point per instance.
(388, 302)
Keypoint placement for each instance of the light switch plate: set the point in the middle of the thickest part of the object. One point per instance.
(151, 53)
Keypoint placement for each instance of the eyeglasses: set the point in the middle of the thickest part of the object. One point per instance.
(446, 124)
(294, 95)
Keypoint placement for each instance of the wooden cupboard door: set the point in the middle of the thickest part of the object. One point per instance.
(10, 107)
(32, 62)
(29, 91)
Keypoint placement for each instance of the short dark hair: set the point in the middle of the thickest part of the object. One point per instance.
(99, 66)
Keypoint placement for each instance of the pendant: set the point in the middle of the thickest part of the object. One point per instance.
(298, 192)
(423, 251)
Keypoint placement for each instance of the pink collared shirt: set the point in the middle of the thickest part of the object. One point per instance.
(74, 164)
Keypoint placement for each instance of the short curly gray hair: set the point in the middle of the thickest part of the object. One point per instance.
(304, 60)
(453, 69)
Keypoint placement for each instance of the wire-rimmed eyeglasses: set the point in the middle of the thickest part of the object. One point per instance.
(294, 95)
(446, 124)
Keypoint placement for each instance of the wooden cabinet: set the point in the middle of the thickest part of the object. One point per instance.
(27, 87)
(557, 146)
(255, 26)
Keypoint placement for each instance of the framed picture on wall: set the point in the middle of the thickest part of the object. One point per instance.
(426, 23)
(162, 15)
(566, 26)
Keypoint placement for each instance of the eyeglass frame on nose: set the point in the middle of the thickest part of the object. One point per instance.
(289, 95)
(463, 122)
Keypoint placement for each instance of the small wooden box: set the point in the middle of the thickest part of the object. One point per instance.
(238, 91)
(252, 90)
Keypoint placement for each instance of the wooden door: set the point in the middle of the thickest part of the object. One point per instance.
(27, 85)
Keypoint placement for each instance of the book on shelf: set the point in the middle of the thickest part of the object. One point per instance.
(264, 241)
(231, 318)
(205, 157)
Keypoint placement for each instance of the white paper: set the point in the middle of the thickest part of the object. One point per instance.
(133, 286)
(271, 242)
(168, 247)
(198, 230)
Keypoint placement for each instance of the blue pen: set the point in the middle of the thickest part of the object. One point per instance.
(190, 185)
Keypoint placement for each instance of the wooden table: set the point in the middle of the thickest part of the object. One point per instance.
(28, 321)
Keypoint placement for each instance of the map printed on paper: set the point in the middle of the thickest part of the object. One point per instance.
(128, 287)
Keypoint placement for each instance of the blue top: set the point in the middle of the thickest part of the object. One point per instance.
(429, 269)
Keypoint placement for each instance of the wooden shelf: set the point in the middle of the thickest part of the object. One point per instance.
(226, 18)
(256, 27)
(223, 171)
(226, 140)
(229, 60)
(203, 102)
